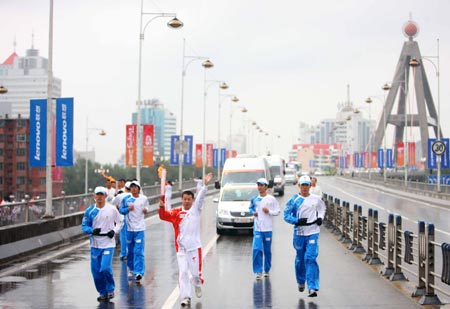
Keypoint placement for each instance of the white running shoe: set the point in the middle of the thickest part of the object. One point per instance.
(186, 302)
(198, 291)
(258, 276)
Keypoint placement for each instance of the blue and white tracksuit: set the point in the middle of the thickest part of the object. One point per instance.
(306, 237)
(262, 231)
(135, 233)
(106, 218)
(123, 232)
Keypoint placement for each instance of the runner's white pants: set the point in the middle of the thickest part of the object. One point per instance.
(189, 262)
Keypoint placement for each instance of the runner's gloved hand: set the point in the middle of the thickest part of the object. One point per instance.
(110, 234)
(96, 231)
(319, 221)
(302, 222)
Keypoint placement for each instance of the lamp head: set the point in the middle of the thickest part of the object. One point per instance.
(414, 62)
(235, 99)
(175, 23)
(102, 133)
(207, 64)
(386, 87)
(369, 100)
(224, 85)
(3, 89)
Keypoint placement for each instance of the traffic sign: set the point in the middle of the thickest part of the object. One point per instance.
(438, 148)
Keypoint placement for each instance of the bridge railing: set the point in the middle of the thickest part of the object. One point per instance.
(32, 210)
(390, 245)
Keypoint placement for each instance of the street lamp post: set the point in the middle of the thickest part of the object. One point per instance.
(369, 101)
(235, 100)
(243, 109)
(86, 174)
(49, 147)
(207, 65)
(173, 23)
(414, 63)
(386, 88)
(181, 149)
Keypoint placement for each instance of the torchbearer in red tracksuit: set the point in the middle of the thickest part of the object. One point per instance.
(186, 224)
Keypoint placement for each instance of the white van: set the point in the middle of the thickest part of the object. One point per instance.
(233, 209)
(245, 170)
(277, 170)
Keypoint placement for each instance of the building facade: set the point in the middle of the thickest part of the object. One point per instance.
(17, 178)
(164, 122)
(25, 78)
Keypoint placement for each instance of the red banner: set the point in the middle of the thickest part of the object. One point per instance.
(400, 154)
(209, 155)
(198, 155)
(411, 153)
(130, 145)
(374, 159)
(147, 145)
(366, 159)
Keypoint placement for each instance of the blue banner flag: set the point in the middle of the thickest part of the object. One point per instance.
(380, 158)
(215, 158)
(389, 158)
(445, 158)
(173, 150)
(223, 156)
(356, 162)
(431, 158)
(187, 159)
(64, 132)
(38, 133)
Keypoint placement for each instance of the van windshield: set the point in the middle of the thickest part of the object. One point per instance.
(242, 177)
(236, 195)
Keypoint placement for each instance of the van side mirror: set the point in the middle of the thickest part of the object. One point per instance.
(270, 183)
(217, 184)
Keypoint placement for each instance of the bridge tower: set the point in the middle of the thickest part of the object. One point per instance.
(427, 115)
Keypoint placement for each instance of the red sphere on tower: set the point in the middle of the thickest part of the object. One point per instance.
(410, 29)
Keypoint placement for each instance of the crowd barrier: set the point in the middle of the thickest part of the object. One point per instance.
(388, 244)
(28, 211)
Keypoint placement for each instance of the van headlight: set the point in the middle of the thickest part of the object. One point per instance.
(223, 212)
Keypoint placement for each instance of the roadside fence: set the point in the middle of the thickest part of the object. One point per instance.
(390, 245)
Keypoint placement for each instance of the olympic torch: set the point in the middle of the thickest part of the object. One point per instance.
(162, 175)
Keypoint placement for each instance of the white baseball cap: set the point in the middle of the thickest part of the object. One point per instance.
(304, 180)
(262, 181)
(101, 190)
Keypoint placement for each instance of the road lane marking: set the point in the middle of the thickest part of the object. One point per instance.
(170, 302)
(389, 211)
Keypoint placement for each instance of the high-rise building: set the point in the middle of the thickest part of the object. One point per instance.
(164, 122)
(25, 78)
(16, 176)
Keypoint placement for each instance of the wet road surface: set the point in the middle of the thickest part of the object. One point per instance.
(66, 281)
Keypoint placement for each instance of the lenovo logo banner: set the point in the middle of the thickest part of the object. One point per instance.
(38, 133)
(64, 132)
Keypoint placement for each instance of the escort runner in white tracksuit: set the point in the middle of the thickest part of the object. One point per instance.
(102, 221)
(134, 207)
(263, 207)
(186, 224)
(306, 211)
(123, 232)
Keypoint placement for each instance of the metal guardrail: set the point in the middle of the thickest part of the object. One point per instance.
(391, 245)
(422, 188)
(32, 210)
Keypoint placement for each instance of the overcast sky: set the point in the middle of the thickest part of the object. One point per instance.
(287, 60)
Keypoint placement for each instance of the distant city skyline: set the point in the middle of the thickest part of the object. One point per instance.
(287, 63)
